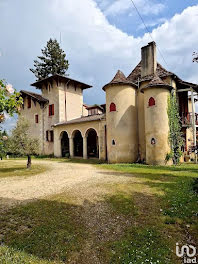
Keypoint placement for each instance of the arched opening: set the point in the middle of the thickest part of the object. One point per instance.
(64, 144)
(92, 144)
(78, 144)
(151, 101)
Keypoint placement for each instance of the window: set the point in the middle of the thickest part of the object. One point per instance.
(47, 138)
(51, 110)
(112, 107)
(36, 119)
(52, 136)
(93, 111)
(29, 102)
(151, 101)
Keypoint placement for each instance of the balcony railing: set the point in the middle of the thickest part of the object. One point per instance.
(186, 119)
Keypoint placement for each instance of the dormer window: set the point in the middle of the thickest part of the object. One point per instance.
(93, 111)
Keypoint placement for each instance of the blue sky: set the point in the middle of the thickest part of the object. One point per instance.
(99, 37)
(128, 20)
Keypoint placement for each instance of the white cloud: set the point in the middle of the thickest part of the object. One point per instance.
(95, 48)
(113, 8)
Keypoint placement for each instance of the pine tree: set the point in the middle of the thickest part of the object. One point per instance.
(53, 61)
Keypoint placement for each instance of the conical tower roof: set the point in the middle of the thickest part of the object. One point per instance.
(119, 78)
(157, 82)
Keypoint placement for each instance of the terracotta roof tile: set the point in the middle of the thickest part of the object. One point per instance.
(157, 82)
(82, 119)
(119, 78)
(136, 73)
(35, 96)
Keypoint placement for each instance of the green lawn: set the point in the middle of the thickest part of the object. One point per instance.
(166, 212)
(17, 167)
(137, 221)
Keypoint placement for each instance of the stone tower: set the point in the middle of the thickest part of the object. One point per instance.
(121, 118)
(156, 93)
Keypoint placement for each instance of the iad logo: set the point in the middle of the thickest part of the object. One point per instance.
(187, 252)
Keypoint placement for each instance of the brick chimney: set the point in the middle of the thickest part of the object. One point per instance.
(149, 62)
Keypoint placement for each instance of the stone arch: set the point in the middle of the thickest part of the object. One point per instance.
(78, 143)
(64, 139)
(92, 143)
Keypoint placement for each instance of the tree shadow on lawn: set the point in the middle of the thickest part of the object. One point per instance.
(52, 230)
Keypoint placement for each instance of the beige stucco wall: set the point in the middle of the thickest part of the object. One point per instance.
(74, 102)
(141, 127)
(122, 124)
(36, 129)
(156, 125)
(98, 126)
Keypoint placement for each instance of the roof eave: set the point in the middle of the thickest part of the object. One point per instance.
(156, 86)
(38, 84)
(119, 83)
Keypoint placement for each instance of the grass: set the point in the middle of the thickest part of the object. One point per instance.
(172, 217)
(41, 230)
(13, 167)
(146, 215)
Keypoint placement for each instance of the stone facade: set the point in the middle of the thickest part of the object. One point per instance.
(132, 126)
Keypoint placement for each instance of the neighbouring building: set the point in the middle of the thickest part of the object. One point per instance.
(132, 126)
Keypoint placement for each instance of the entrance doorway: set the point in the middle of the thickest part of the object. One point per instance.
(65, 144)
(78, 144)
(92, 144)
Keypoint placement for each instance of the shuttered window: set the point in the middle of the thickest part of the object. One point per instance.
(51, 110)
(112, 107)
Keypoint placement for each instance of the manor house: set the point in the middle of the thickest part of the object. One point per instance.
(132, 126)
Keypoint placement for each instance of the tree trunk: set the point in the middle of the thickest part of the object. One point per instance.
(29, 162)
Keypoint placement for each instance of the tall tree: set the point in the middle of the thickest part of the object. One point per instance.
(21, 143)
(53, 61)
(10, 100)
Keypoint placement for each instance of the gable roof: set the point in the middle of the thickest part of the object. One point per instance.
(119, 78)
(57, 78)
(39, 98)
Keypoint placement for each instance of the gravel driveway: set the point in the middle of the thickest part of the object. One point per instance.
(73, 178)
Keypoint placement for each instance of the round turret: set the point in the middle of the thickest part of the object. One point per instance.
(121, 118)
(156, 94)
